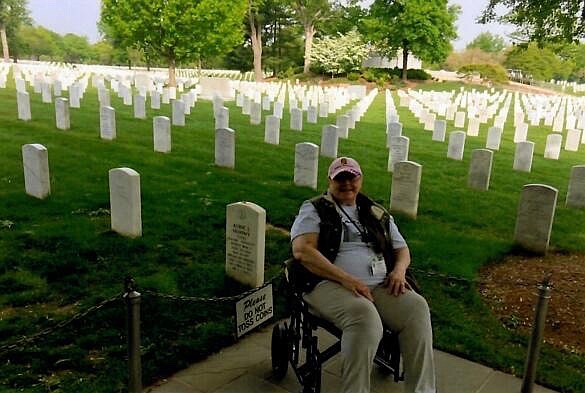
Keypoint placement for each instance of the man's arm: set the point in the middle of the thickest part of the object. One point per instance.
(305, 250)
(396, 279)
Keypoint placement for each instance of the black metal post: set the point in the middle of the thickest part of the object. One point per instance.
(133, 323)
(544, 289)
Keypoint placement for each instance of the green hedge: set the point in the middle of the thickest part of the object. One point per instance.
(492, 72)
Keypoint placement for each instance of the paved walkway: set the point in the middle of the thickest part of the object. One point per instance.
(246, 368)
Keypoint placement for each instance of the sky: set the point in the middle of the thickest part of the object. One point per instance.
(81, 16)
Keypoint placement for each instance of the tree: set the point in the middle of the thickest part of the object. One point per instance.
(309, 13)
(338, 54)
(424, 28)
(344, 17)
(542, 63)
(37, 42)
(255, 24)
(541, 20)
(488, 43)
(12, 14)
(76, 49)
(176, 30)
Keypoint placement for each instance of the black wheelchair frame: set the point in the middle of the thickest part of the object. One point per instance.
(296, 334)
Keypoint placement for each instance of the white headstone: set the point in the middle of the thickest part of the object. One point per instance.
(473, 126)
(255, 113)
(521, 132)
(272, 130)
(439, 130)
(459, 119)
(225, 147)
(245, 240)
(573, 140)
(480, 169)
(343, 126)
(323, 109)
(456, 145)
(107, 123)
(393, 129)
(178, 113)
(312, 115)
(494, 138)
(552, 149)
(75, 95)
(405, 188)
(399, 146)
(222, 118)
(306, 164)
(296, 119)
(535, 217)
(523, 156)
(23, 103)
(329, 141)
(161, 126)
(125, 204)
(155, 100)
(576, 191)
(278, 109)
(35, 160)
(139, 107)
(62, 113)
(47, 95)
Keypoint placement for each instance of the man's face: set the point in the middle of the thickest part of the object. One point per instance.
(345, 187)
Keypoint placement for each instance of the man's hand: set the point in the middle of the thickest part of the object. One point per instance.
(395, 282)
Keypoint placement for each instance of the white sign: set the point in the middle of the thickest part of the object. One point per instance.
(253, 310)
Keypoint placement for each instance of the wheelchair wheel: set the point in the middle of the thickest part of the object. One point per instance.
(280, 350)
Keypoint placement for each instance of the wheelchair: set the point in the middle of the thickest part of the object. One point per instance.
(293, 338)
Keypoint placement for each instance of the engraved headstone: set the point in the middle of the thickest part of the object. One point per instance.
(178, 113)
(456, 145)
(125, 204)
(439, 130)
(392, 129)
(494, 138)
(329, 141)
(399, 146)
(107, 123)
(46, 94)
(161, 126)
(255, 113)
(523, 156)
(245, 240)
(225, 147)
(480, 169)
(576, 191)
(75, 95)
(343, 126)
(306, 164)
(312, 115)
(296, 119)
(155, 100)
(473, 126)
(552, 149)
(573, 140)
(520, 132)
(405, 188)
(278, 109)
(272, 130)
(35, 160)
(534, 221)
(62, 113)
(23, 103)
(222, 118)
(460, 119)
(139, 107)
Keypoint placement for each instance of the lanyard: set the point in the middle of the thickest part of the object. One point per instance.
(362, 233)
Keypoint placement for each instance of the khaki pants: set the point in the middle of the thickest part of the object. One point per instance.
(361, 323)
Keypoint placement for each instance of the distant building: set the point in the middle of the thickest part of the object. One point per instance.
(375, 60)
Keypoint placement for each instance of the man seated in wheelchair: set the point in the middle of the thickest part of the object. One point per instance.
(353, 262)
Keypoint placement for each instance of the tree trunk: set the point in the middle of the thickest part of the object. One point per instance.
(256, 37)
(4, 44)
(172, 75)
(309, 33)
(404, 62)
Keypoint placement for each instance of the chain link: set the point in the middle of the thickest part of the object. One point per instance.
(225, 299)
(45, 332)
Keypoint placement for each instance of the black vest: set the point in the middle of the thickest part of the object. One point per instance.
(372, 216)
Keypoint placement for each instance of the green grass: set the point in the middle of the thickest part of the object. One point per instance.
(58, 256)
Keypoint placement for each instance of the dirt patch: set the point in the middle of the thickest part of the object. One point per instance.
(509, 288)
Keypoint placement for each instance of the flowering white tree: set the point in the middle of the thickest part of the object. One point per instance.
(339, 54)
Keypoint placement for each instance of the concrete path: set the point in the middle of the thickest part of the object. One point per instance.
(246, 368)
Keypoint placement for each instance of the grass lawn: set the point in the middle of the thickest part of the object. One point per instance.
(59, 257)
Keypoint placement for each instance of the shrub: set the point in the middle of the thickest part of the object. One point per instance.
(492, 72)
(353, 76)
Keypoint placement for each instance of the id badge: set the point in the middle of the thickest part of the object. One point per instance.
(378, 266)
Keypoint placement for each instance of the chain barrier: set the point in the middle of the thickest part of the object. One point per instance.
(225, 299)
(4, 349)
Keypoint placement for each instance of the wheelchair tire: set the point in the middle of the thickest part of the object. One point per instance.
(279, 350)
